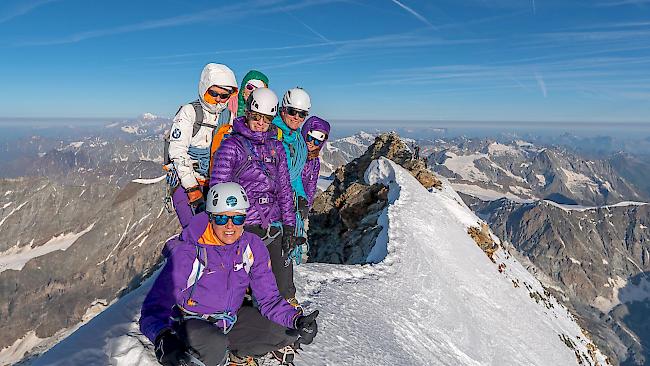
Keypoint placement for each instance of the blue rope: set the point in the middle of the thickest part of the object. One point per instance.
(299, 157)
(228, 320)
(202, 155)
(297, 252)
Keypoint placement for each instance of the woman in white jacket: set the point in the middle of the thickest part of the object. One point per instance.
(191, 136)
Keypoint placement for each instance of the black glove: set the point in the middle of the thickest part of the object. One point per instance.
(170, 350)
(288, 240)
(303, 207)
(307, 327)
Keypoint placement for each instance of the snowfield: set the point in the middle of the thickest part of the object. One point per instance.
(435, 299)
(16, 257)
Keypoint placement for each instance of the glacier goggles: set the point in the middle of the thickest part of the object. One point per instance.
(316, 137)
(292, 112)
(215, 94)
(223, 219)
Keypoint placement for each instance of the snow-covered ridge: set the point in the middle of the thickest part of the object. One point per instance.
(588, 208)
(149, 180)
(434, 299)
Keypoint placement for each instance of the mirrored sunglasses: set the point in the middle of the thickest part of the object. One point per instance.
(314, 140)
(223, 219)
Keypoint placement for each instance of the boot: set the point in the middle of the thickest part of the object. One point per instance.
(234, 360)
(284, 355)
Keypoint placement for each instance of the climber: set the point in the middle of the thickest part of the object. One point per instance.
(253, 157)
(193, 314)
(189, 149)
(252, 80)
(315, 131)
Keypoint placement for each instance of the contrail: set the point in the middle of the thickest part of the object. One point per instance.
(534, 8)
(414, 13)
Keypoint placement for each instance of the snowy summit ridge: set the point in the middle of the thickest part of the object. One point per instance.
(435, 299)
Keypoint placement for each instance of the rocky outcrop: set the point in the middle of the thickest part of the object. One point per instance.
(343, 223)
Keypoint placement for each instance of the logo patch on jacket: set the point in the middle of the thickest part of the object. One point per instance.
(176, 133)
(248, 259)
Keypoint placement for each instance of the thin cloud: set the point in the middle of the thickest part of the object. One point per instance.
(623, 3)
(230, 12)
(387, 41)
(414, 13)
(25, 7)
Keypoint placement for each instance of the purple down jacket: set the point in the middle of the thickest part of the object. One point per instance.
(312, 166)
(241, 159)
(221, 287)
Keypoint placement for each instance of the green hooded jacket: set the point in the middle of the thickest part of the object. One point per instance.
(253, 74)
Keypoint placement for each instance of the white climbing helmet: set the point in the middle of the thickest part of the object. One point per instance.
(296, 98)
(263, 100)
(224, 197)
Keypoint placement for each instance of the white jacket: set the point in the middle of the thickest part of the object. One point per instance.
(180, 137)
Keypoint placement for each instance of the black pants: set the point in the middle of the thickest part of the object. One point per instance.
(252, 335)
(281, 265)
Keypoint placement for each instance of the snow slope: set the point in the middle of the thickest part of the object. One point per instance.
(435, 299)
(16, 257)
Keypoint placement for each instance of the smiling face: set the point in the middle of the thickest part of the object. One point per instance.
(258, 122)
(294, 121)
(228, 233)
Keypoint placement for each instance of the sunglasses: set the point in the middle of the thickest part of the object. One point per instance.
(215, 94)
(250, 87)
(292, 112)
(314, 140)
(223, 219)
(255, 116)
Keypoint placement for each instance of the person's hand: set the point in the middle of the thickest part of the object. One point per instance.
(170, 350)
(303, 207)
(307, 327)
(195, 197)
(288, 240)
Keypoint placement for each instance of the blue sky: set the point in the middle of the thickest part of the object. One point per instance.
(481, 60)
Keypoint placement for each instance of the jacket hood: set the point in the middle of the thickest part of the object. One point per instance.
(239, 126)
(315, 123)
(215, 74)
(253, 74)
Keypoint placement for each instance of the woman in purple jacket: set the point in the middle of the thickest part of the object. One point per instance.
(194, 309)
(253, 157)
(315, 131)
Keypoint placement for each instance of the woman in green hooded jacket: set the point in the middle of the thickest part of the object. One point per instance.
(254, 79)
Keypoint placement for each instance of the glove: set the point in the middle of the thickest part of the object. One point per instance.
(195, 196)
(303, 207)
(170, 350)
(288, 240)
(307, 327)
